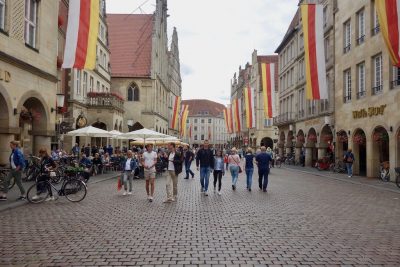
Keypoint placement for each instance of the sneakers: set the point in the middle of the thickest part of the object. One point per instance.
(36, 197)
(233, 187)
(3, 198)
(150, 199)
(168, 200)
(202, 189)
(130, 193)
(206, 193)
(193, 176)
(124, 194)
(265, 190)
(249, 189)
(219, 193)
(50, 198)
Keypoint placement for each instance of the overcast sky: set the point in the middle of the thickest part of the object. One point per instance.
(216, 36)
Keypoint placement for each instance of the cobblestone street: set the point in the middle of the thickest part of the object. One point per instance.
(302, 220)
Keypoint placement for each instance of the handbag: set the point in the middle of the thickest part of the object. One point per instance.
(240, 168)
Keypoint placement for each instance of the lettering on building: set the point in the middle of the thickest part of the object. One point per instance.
(5, 76)
(369, 112)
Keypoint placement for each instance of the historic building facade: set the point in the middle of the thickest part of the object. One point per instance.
(367, 96)
(206, 120)
(305, 126)
(91, 100)
(144, 70)
(28, 74)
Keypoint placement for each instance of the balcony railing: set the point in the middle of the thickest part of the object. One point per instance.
(361, 39)
(105, 100)
(285, 118)
(347, 98)
(361, 94)
(377, 90)
(376, 30)
(346, 49)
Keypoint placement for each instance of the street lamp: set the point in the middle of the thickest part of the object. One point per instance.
(60, 100)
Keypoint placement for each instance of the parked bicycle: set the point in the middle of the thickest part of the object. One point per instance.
(3, 175)
(73, 189)
(278, 162)
(397, 170)
(338, 167)
(290, 160)
(384, 171)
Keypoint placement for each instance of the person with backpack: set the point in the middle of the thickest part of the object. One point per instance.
(349, 160)
(17, 163)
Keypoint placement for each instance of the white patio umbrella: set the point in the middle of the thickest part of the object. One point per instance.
(89, 131)
(143, 134)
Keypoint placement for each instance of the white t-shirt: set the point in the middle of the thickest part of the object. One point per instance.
(128, 164)
(149, 158)
(171, 166)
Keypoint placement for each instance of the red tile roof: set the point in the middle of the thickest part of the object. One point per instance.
(198, 106)
(130, 38)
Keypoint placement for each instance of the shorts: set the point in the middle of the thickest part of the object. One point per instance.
(149, 174)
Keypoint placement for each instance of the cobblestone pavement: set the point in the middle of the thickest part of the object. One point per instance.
(302, 220)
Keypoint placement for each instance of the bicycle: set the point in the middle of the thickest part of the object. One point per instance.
(3, 175)
(278, 162)
(397, 170)
(384, 171)
(73, 189)
(338, 167)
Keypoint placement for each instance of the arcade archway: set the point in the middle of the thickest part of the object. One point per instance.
(360, 152)
(267, 142)
(342, 143)
(380, 148)
(311, 148)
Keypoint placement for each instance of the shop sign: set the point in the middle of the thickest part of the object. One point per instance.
(5, 76)
(370, 112)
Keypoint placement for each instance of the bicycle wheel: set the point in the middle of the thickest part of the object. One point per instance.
(75, 190)
(398, 181)
(38, 192)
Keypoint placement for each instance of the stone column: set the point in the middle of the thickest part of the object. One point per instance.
(392, 155)
(299, 146)
(372, 159)
(322, 150)
(5, 149)
(309, 156)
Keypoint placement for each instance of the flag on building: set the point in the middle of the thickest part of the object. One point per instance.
(175, 112)
(82, 33)
(312, 17)
(231, 123)
(184, 117)
(250, 112)
(268, 88)
(226, 117)
(237, 112)
(389, 21)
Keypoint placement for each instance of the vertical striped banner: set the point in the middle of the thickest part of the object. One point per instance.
(250, 112)
(389, 21)
(231, 119)
(184, 116)
(226, 118)
(312, 17)
(268, 88)
(82, 33)
(175, 112)
(238, 114)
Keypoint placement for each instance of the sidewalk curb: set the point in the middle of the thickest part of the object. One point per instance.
(343, 180)
(17, 204)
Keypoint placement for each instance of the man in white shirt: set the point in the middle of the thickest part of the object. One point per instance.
(149, 161)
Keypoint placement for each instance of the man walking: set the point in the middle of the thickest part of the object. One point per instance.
(205, 160)
(175, 160)
(263, 161)
(17, 163)
(189, 156)
(149, 160)
(349, 160)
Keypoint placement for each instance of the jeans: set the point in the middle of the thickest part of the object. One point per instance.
(18, 180)
(204, 177)
(235, 174)
(217, 177)
(249, 176)
(172, 185)
(349, 167)
(263, 178)
(187, 168)
(127, 176)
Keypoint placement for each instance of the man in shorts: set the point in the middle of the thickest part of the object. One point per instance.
(149, 160)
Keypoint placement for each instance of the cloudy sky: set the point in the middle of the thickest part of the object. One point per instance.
(215, 37)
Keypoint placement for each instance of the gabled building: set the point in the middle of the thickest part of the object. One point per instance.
(144, 70)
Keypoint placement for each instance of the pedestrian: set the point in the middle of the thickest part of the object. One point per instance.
(349, 160)
(75, 150)
(269, 152)
(97, 164)
(189, 156)
(110, 149)
(47, 165)
(205, 160)
(149, 161)
(17, 163)
(219, 171)
(234, 166)
(263, 161)
(87, 150)
(175, 161)
(249, 168)
(226, 161)
(128, 167)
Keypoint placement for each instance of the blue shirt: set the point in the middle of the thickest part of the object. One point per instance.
(263, 160)
(249, 161)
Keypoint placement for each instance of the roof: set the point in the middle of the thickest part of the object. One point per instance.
(289, 33)
(199, 107)
(130, 38)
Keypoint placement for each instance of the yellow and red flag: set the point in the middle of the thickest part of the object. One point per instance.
(82, 32)
(226, 117)
(184, 116)
(250, 112)
(237, 112)
(268, 88)
(190, 132)
(389, 21)
(175, 112)
(312, 17)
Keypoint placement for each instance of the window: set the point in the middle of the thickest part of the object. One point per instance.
(195, 137)
(130, 94)
(268, 123)
(347, 85)
(98, 87)
(301, 42)
(78, 82)
(30, 22)
(195, 120)
(396, 77)
(326, 48)
(195, 128)
(85, 83)
(133, 92)
(2, 14)
(101, 31)
(202, 137)
(346, 36)
(103, 88)
(360, 27)
(202, 120)
(302, 69)
(375, 21)
(360, 80)
(311, 107)
(91, 84)
(136, 96)
(209, 120)
(377, 67)
(301, 103)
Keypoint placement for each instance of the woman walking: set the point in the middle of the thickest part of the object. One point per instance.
(234, 166)
(249, 167)
(219, 171)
